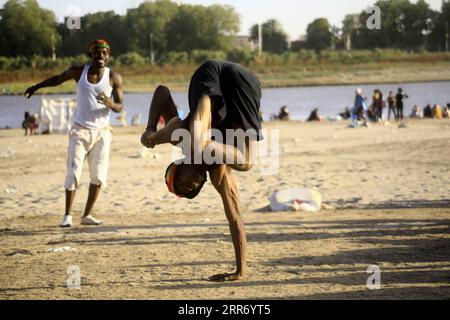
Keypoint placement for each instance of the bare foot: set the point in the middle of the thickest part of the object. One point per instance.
(146, 140)
(227, 277)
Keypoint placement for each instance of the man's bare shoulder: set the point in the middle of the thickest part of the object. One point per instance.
(75, 70)
(115, 77)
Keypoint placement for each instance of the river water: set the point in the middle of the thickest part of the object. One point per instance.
(330, 100)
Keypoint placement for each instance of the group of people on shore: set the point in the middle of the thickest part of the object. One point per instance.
(395, 106)
(375, 110)
(435, 112)
(284, 115)
(362, 112)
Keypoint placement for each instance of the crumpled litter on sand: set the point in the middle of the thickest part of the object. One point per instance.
(308, 200)
(62, 249)
(8, 153)
(146, 153)
(11, 189)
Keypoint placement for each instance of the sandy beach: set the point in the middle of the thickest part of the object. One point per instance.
(387, 196)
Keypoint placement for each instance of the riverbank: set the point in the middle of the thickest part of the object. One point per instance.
(147, 78)
(386, 187)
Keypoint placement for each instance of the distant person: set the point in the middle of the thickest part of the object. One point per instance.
(372, 113)
(446, 112)
(437, 112)
(99, 90)
(314, 116)
(378, 105)
(346, 114)
(359, 108)
(136, 120)
(391, 105)
(427, 112)
(399, 103)
(447, 107)
(284, 115)
(416, 112)
(30, 124)
(122, 119)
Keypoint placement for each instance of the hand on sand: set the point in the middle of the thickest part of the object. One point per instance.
(226, 277)
(146, 139)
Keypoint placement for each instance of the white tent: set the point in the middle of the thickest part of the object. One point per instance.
(56, 115)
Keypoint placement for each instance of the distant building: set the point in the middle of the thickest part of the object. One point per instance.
(243, 42)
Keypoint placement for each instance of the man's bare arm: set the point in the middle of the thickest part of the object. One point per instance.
(200, 125)
(151, 139)
(224, 182)
(73, 73)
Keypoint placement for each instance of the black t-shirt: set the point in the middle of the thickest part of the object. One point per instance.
(399, 99)
(235, 95)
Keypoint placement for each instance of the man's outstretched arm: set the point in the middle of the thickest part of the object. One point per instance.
(73, 73)
(224, 182)
(151, 139)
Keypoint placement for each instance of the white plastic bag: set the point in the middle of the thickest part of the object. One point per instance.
(296, 200)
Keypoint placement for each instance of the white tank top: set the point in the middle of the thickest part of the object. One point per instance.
(89, 112)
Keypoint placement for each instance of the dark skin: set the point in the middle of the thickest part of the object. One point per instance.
(100, 57)
(221, 176)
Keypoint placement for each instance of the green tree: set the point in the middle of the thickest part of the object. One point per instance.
(101, 25)
(195, 27)
(415, 24)
(318, 34)
(439, 22)
(150, 18)
(27, 30)
(191, 28)
(274, 38)
(390, 34)
(337, 39)
(404, 25)
(227, 24)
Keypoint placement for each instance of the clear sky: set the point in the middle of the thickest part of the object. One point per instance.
(294, 15)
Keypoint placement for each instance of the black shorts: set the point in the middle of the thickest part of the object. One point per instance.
(235, 92)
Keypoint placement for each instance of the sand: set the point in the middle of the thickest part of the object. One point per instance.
(386, 189)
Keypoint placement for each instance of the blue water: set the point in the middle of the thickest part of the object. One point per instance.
(331, 100)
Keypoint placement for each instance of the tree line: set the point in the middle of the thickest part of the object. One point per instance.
(174, 31)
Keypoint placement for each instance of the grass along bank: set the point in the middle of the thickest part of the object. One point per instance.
(340, 68)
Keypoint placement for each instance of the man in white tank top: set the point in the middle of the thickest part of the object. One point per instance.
(99, 91)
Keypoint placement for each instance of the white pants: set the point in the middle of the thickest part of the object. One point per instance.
(94, 145)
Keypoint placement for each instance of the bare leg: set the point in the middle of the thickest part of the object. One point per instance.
(162, 105)
(94, 191)
(70, 196)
